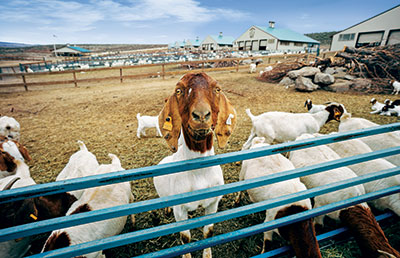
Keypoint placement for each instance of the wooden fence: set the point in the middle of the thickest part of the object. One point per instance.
(201, 66)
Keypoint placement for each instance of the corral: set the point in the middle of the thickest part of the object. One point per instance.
(103, 116)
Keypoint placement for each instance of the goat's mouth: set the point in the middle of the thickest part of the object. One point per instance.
(199, 134)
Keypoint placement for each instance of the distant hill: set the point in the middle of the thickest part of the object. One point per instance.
(11, 44)
(324, 37)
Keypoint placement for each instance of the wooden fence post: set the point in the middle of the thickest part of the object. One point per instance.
(25, 84)
(120, 75)
(76, 83)
(163, 71)
(237, 65)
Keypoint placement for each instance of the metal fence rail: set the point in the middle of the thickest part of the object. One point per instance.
(133, 208)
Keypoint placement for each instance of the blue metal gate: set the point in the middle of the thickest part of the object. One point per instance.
(145, 172)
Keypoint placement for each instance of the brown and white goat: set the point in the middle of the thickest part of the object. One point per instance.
(28, 210)
(10, 151)
(198, 108)
(358, 218)
(301, 234)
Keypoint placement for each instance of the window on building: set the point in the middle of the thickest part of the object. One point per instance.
(346, 37)
(298, 44)
(271, 41)
(247, 45)
(263, 44)
(241, 45)
(285, 43)
(255, 45)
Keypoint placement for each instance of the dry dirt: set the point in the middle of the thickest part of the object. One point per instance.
(104, 117)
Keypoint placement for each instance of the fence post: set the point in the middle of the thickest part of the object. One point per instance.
(75, 82)
(237, 65)
(25, 84)
(163, 71)
(120, 75)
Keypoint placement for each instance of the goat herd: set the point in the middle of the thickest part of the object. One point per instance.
(195, 112)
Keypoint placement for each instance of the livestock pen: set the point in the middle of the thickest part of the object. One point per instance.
(134, 208)
(103, 116)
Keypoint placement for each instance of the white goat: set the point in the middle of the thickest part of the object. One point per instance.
(355, 147)
(147, 122)
(304, 240)
(284, 127)
(358, 218)
(94, 199)
(82, 163)
(312, 108)
(9, 128)
(375, 142)
(10, 151)
(376, 106)
(396, 87)
(253, 68)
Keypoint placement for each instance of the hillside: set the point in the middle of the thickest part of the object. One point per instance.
(324, 37)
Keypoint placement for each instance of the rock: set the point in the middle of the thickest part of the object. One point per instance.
(330, 70)
(349, 77)
(341, 69)
(340, 75)
(287, 82)
(339, 86)
(305, 72)
(324, 78)
(305, 84)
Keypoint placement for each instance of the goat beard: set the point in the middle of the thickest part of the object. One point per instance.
(198, 134)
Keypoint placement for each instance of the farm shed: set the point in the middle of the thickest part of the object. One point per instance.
(213, 42)
(380, 30)
(272, 38)
(72, 51)
(192, 43)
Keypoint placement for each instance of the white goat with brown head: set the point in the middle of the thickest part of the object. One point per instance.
(197, 108)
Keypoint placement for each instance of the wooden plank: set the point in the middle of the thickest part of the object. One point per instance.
(24, 80)
(120, 75)
(75, 82)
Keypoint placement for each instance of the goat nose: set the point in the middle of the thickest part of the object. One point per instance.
(201, 116)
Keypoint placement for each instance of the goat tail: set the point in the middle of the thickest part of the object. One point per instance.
(82, 146)
(300, 234)
(367, 232)
(138, 116)
(114, 159)
(248, 112)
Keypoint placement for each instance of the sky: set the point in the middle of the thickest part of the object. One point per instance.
(167, 21)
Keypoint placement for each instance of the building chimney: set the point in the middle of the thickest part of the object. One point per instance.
(271, 24)
(220, 34)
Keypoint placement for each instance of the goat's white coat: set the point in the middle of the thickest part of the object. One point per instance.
(145, 122)
(376, 107)
(9, 128)
(268, 165)
(355, 147)
(314, 108)
(375, 142)
(82, 163)
(396, 87)
(100, 198)
(319, 154)
(283, 126)
(253, 68)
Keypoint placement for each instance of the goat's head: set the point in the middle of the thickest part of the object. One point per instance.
(308, 104)
(9, 127)
(335, 110)
(373, 101)
(198, 107)
(33, 209)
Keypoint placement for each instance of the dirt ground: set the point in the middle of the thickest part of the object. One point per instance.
(104, 117)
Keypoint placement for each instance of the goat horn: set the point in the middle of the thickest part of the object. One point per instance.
(10, 184)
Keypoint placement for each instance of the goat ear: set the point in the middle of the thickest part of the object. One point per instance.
(24, 152)
(226, 121)
(170, 122)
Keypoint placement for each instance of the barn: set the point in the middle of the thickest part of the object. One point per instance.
(71, 51)
(381, 30)
(192, 44)
(276, 39)
(213, 42)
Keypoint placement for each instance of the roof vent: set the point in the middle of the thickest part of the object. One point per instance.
(271, 24)
(220, 35)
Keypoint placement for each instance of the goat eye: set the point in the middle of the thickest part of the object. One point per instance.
(178, 92)
(217, 90)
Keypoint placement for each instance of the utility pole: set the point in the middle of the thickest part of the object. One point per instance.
(55, 53)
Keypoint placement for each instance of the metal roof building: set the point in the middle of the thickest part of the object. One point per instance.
(71, 51)
(272, 38)
(380, 30)
(213, 42)
(193, 43)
